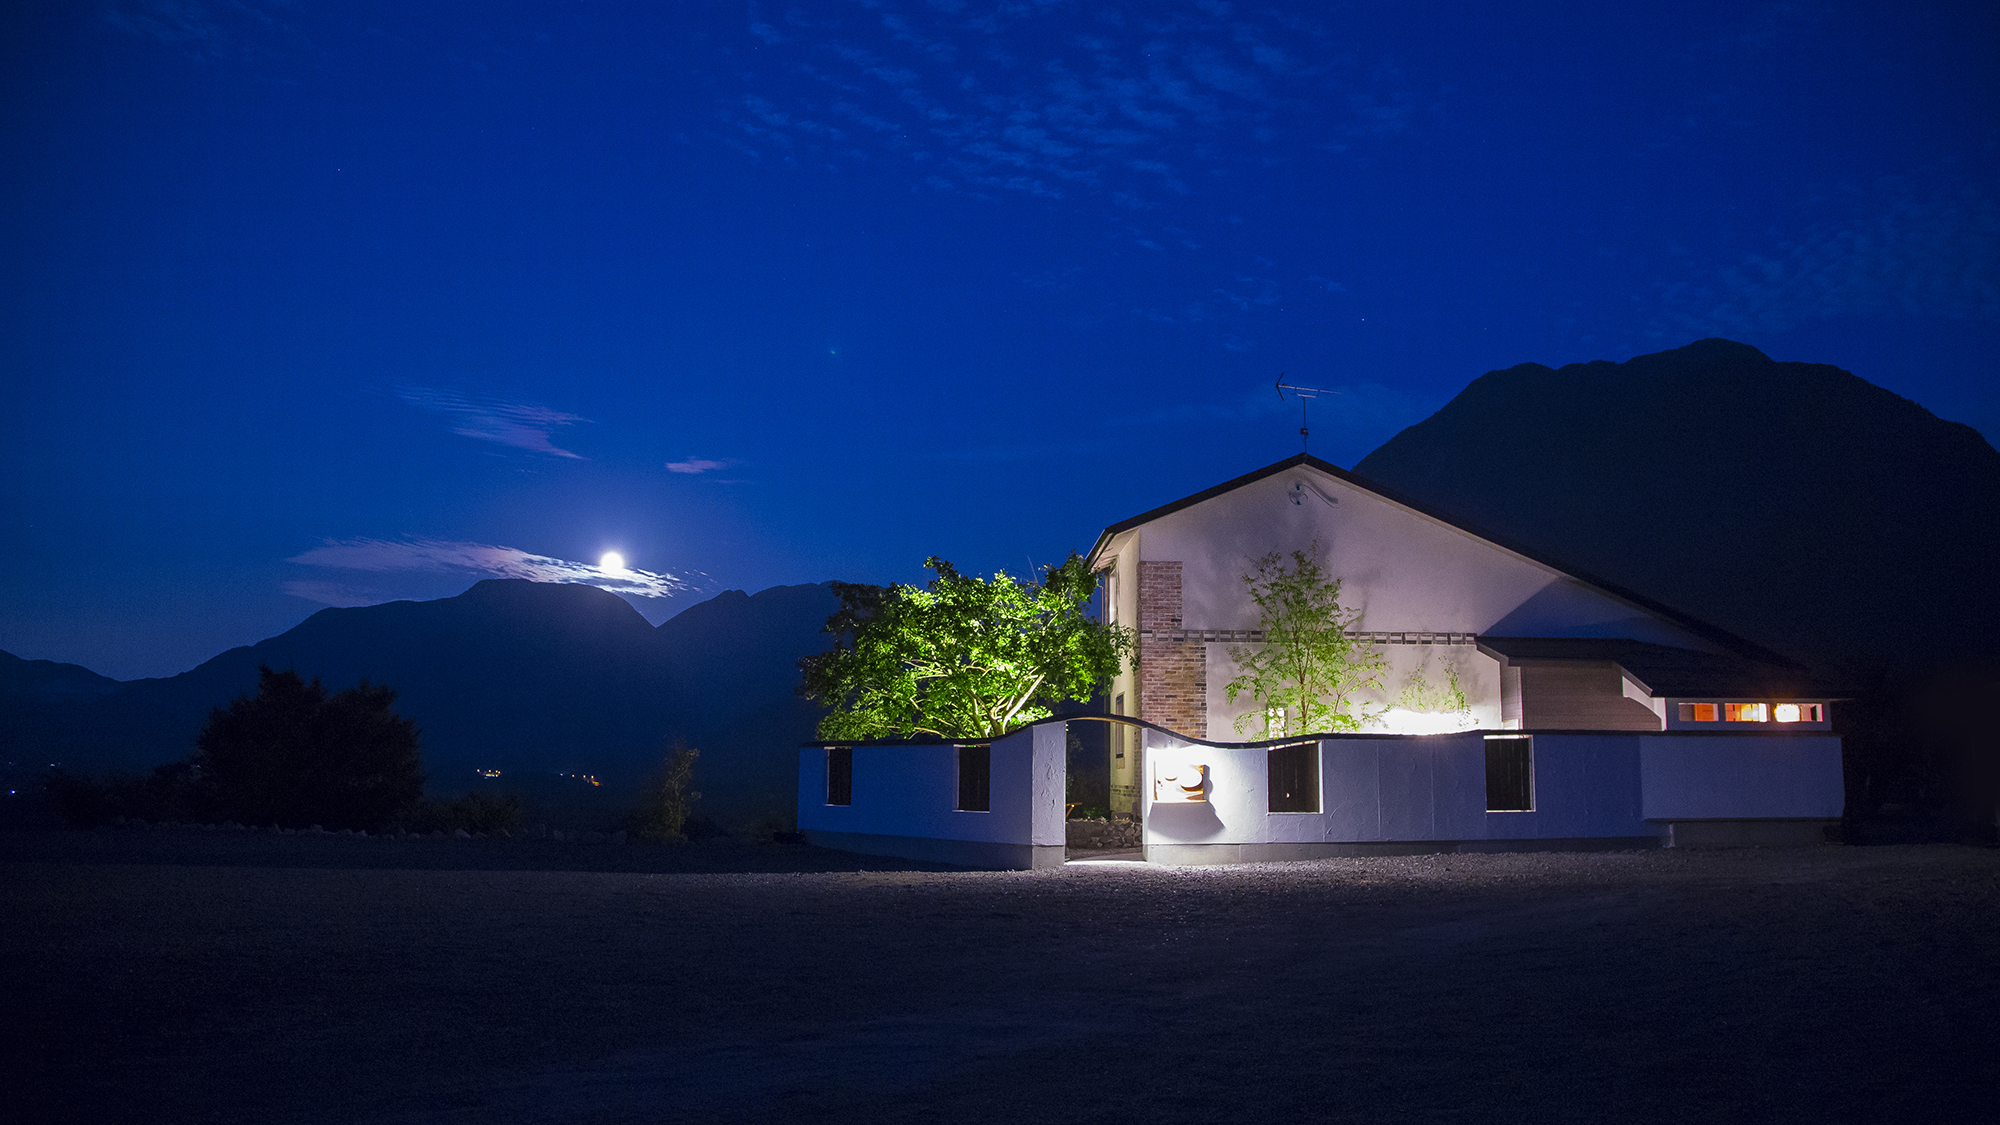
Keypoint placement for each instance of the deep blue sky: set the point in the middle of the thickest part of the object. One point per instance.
(312, 303)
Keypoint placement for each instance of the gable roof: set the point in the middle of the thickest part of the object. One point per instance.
(1716, 634)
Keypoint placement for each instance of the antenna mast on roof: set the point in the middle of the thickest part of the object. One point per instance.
(1302, 394)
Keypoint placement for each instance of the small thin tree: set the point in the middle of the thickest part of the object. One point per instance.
(1309, 670)
(668, 801)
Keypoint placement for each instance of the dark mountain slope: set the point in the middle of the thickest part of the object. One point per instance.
(37, 699)
(506, 673)
(1793, 503)
(518, 676)
(734, 661)
(47, 680)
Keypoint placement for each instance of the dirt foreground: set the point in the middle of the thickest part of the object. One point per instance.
(163, 977)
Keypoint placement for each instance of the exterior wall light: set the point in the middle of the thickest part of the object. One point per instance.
(1179, 782)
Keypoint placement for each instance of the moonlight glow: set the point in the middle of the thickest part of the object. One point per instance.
(611, 563)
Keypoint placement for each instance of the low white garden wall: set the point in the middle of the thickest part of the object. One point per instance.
(904, 797)
(1383, 794)
(1378, 794)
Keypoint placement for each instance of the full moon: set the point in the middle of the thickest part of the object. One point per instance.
(612, 562)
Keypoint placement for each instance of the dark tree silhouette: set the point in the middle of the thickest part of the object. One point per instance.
(294, 756)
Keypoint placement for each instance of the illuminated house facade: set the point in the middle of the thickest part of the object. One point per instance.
(1533, 645)
(1590, 716)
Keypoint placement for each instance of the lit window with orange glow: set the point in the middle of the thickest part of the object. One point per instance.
(1746, 712)
(1797, 713)
(1699, 713)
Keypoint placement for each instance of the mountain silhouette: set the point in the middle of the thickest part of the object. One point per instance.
(510, 675)
(1795, 504)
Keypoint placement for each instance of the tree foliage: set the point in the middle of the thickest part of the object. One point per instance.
(964, 657)
(295, 755)
(1309, 670)
(1424, 697)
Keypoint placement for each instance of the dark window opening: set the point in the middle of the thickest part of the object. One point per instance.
(840, 775)
(1510, 773)
(1293, 773)
(975, 778)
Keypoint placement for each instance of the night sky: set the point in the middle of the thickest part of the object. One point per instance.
(315, 304)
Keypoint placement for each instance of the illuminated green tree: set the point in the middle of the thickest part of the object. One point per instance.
(964, 657)
(1309, 670)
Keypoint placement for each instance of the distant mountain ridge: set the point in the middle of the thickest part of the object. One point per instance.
(49, 682)
(1793, 503)
(509, 675)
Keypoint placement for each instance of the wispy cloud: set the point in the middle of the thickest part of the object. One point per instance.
(1055, 100)
(333, 593)
(695, 466)
(232, 29)
(436, 556)
(1926, 254)
(522, 425)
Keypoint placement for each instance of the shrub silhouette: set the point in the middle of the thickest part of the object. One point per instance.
(474, 813)
(171, 792)
(668, 798)
(293, 755)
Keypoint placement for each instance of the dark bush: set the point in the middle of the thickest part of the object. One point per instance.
(293, 755)
(474, 813)
(170, 792)
(699, 828)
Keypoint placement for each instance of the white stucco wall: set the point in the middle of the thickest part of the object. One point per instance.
(1586, 786)
(1727, 777)
(1402, 569)
(1372, 789)
(1478, 676)
(1405, 572)
(910, 790)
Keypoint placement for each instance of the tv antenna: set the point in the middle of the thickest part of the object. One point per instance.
(1303, 394)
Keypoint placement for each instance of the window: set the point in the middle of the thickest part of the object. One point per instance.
(975, 779)
(1510, 773)
(1699, 713)
(1293, 776)
(1747, 712)
(1798, 713)
(840, 775)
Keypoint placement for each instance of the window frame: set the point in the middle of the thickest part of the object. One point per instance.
(974, 774)
(840, 776)
(1307, 787)
(1525, 742)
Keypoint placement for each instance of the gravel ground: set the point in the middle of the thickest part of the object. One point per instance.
(203, 976)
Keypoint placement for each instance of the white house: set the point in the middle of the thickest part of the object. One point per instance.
(1592, 716)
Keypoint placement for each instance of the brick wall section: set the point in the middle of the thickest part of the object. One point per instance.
(1173, 675)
